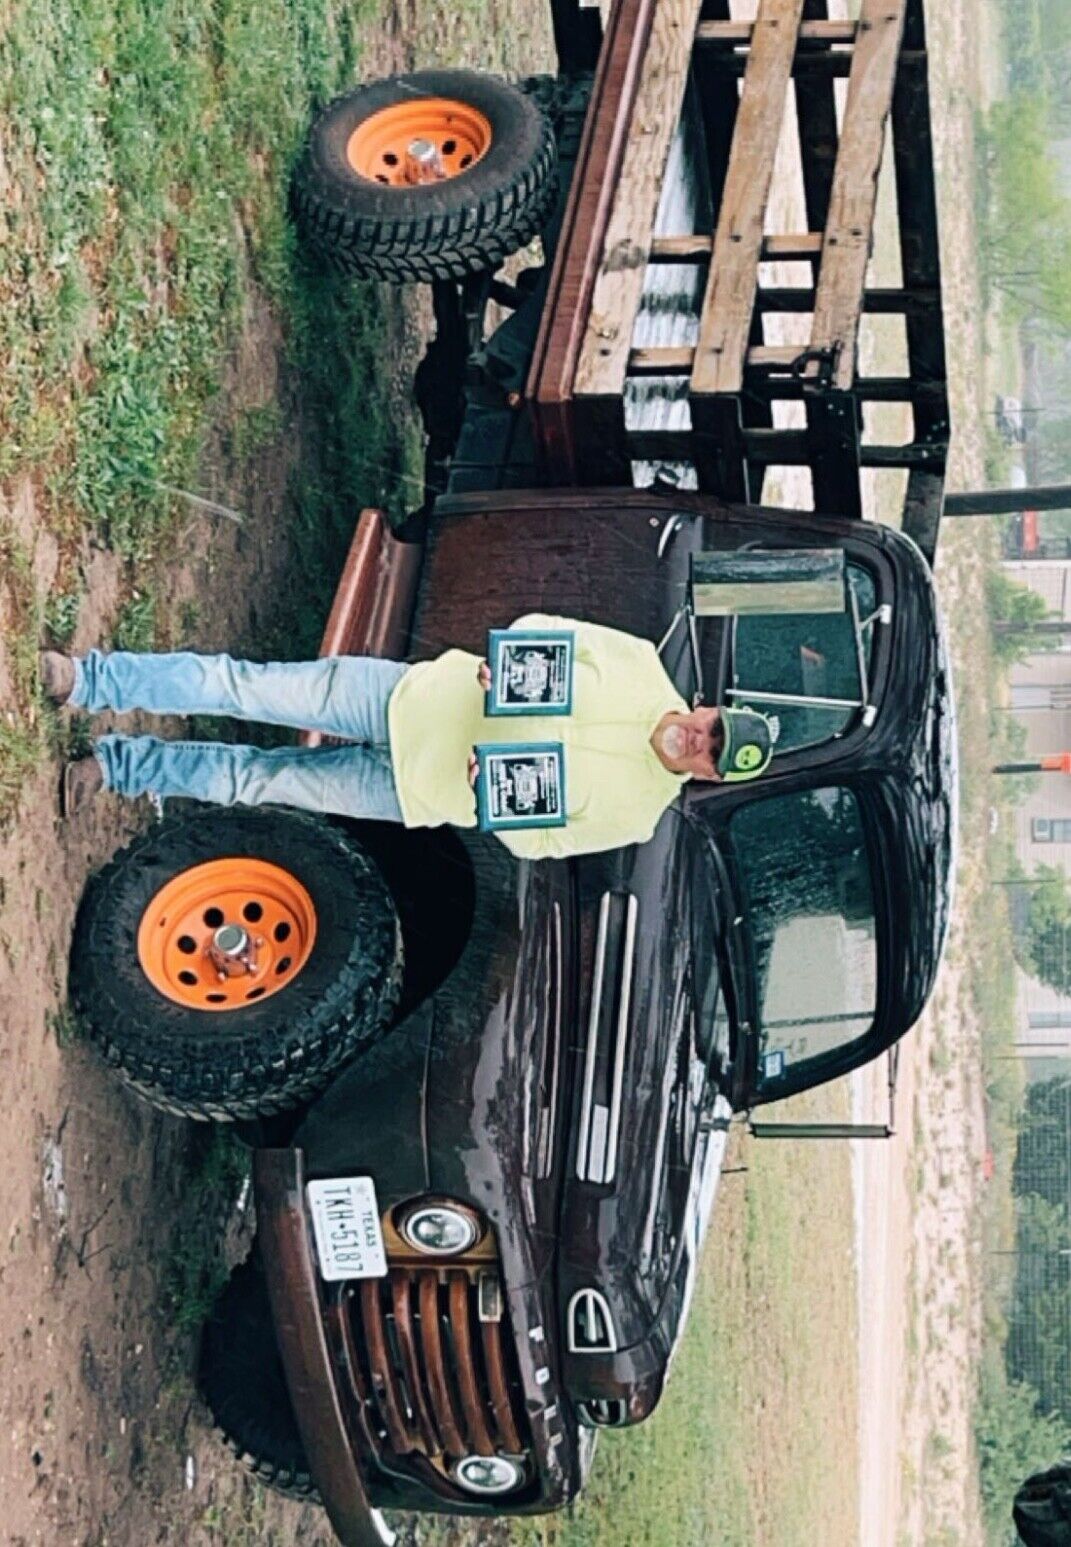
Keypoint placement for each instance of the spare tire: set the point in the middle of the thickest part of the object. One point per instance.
(485, 147)
(228, 962)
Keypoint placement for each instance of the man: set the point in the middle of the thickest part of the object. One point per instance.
(630, 740)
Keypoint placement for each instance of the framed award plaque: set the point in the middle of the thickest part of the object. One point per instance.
(531, 671)
(520, 785)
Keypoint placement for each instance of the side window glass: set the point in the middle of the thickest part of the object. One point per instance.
(811, 919)
(813, 655)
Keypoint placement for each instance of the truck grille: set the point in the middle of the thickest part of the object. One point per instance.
(438, 1380)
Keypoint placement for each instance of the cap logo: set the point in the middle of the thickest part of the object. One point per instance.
(748, 757)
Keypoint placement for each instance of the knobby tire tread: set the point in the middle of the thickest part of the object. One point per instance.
(242, 1383)
(326, 1021)
(426, 248)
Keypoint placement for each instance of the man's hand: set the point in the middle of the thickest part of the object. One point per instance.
(483, 675)
(474, 769)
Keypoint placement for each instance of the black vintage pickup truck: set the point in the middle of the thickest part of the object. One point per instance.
(489, 1100)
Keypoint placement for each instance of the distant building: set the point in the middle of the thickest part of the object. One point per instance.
(1039, 697)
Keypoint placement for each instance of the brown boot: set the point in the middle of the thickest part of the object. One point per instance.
(57, 675)
(82, 779)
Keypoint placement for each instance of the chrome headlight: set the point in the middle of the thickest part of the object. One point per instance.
(489, 1474)
(440, 1229)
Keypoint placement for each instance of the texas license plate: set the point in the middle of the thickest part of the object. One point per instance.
(345, 1222)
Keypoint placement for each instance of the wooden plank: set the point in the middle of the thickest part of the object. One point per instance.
(850, 228)
(730, 295)
(550, 382)
(791, 246)
(618, 286)
(741, 32)
(774, 357)
(661, 362)
(786, 248)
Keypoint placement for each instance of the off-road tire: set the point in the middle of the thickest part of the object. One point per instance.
(442, 230)
(268, 1056)
(242, 1382)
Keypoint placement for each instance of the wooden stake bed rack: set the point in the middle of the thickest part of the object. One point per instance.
(671, 70)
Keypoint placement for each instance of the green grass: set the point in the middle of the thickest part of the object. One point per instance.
(149, 144)
(755, 1439)
(194, 1269)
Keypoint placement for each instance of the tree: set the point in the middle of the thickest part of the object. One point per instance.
(1046, 943)
(1027, 239)
(1014, 1439)
(1009, 601)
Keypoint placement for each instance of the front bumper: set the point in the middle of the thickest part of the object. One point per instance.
(294, 1287)
(393, 1379)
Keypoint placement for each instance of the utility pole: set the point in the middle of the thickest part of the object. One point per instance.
(1055, 762)
(1048, 626)
(1005, 502)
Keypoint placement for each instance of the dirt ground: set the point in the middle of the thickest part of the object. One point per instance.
(104, 1440)
(920, 1259)
(105, 1443)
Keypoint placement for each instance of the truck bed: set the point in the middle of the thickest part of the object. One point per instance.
(667, 231)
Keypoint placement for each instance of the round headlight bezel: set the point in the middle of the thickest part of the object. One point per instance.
(466, 1222)
(510, 1474)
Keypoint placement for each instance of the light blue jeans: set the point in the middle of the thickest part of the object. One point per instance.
(340, 695)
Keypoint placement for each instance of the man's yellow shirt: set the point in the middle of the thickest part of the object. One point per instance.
(615, 786)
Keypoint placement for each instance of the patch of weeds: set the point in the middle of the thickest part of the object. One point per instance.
(255, 428)
(189, 618)
(239, 1521)
(64, 1025)
(20, 747)
(61, 616)
(135, 627)
(939, 1446)
(71, 736)
(21, 723)
(940, 1058)
(195, 1271)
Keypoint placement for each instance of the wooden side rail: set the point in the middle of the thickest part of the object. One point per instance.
(549, 390)
(674, 64)
(849, 233)
(603, 362)
(725, 323)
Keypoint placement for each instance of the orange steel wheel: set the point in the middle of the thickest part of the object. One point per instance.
(391, 146)
(226, 934)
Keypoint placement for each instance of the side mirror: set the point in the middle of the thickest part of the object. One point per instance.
(783, 580)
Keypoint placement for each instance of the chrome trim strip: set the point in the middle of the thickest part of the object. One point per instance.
(628, 956)
(549, 1114)
(593, 1036)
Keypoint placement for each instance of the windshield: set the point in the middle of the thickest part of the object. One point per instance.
(810, 912)
(811, 654)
